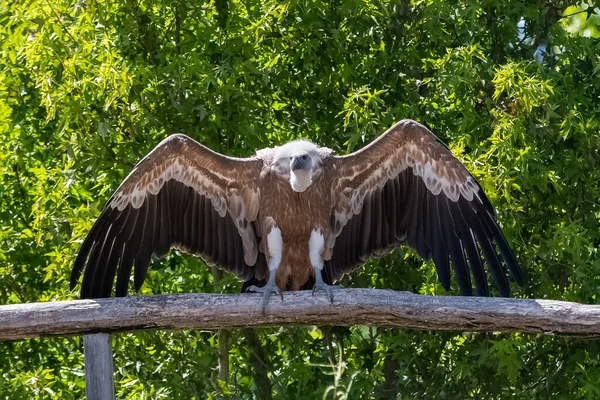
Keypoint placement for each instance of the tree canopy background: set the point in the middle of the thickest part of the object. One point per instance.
(88, 87)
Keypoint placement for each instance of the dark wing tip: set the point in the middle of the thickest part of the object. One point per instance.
(506, 256)
(77, 269)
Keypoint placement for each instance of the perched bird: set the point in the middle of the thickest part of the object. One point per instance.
(297, 214)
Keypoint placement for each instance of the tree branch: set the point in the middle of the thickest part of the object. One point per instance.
(351, 307)
(574, 13)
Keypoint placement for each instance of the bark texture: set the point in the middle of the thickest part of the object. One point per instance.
(369, 307)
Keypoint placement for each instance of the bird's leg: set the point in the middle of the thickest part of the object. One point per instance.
(275, 251)
(270, 287)
(315, 248)
(319, 284)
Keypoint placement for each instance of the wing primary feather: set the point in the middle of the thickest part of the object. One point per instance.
(505, 251)
(440, 252)
(390, 207)
(178, 210)
(398, 191)
(222, 240)
(137, 234)
(157, 224)
(84, 250)
(144, 255)
(342, 255)
(484, 239)
(106, 218)
(129, 228)
(385, 226)
(104, 277)
(412, 224)
(337, 256)
(186, 228)
(201, 223)
(191, 238)
(465, 285)
(407, 204)
(80, 260)
(477, 269)
(376, 221)
(104, 285)
(490, 256)
(128, 252)
(421, 241)
(243, 270)
(495, 265)
(163, 237)
(121, 219)
(125, 267)
(427, 223)
(365, 243)
(208, 230)
(230, 246)
(472, 250)
(414, 235)
(135, 242)
(453, 244)
(509, 259)
(91, 269)
(355, 225)
(213, 249)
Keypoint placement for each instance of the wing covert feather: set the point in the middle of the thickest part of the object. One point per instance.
(181, 195)
(407, 188)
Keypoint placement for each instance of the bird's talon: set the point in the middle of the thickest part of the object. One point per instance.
(266, 291)
(327, 288)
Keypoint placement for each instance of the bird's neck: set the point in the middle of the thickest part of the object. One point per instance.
(300, 180)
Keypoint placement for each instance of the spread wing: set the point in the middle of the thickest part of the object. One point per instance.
(407, 188)
(181, 195)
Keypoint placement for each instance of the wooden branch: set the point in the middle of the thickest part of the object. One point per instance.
(351, 307)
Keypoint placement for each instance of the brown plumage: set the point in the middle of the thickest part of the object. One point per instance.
(289, 212)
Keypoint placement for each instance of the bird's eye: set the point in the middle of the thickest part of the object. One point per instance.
(304, 157)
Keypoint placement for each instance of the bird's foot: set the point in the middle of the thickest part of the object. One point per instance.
(266, 291)
(327, 288)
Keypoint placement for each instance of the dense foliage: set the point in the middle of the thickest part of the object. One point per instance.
(88, 87)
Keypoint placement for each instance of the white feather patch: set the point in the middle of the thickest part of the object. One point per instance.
(177, 171)
(434, 183)
(315, 248)
(275, 246)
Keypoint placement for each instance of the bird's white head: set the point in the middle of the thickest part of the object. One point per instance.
(298, 161)
(300, 171)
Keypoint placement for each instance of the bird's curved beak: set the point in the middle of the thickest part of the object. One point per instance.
(296, 164)
(300, 162)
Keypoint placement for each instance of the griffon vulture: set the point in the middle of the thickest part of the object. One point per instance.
(298, 213)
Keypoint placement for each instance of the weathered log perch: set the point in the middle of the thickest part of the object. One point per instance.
(351, 307)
